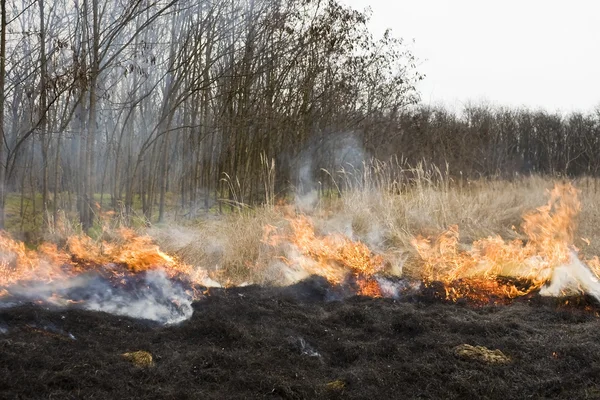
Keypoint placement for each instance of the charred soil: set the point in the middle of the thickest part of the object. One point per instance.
(298, 343)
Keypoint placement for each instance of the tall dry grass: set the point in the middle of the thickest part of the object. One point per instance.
(230, 247)
(384, 205)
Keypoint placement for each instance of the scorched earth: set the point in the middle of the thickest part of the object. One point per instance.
(293, 343)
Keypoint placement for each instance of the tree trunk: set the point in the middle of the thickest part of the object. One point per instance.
(45, 140)
(2, 94)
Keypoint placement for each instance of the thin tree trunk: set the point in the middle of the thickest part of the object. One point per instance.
(91, 136)
(163, 177)
(45, 141)
(2, 94)
(56, 182)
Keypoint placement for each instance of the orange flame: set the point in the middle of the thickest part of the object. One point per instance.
(136, 253)
(333, 256)
(549, 229)
(487, 268)
(16, 261)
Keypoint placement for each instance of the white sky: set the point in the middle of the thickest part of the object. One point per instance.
(541, 54)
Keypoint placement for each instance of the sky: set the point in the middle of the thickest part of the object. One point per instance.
(534, 53)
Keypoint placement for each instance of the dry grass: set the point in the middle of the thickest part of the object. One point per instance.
(481, 353)
(384, 206)
(139, 358)
(229, 248)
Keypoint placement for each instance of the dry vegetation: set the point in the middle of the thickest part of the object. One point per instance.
(382, 207)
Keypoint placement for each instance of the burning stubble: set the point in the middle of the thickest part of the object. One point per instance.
(127, 274)
(546, 259)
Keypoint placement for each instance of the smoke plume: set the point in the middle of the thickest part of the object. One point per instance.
(148, 295)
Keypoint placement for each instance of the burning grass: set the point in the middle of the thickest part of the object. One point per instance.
(333, 256)
(367, 240)
(549, 231)
(133, 252)
(126, 275)
(427, 246)
(486, 241)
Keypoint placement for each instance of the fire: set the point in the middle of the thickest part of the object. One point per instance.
(489, 269)
(124, 274)
(369, 287)
(333, 256)
(16, 261)
(126, 250)
(138, 253)
(550, 233)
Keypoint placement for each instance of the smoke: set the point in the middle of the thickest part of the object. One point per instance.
(398, 288)
(306, 349)
(339, 157)
(572, 278)
(148, 295)
(50, 327)
(203, 249)
(161, 300)
(341, 160)
(306, 194)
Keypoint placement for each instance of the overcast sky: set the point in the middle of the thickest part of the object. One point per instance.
(542, 54)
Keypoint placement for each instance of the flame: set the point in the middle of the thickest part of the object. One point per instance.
(489, 269)
(550, 233)
(369, 287)
(16, 261)
(333, 256)
(125, 252)
(138, 253)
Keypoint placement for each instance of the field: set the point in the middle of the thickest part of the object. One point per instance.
(327, 297)
(385, 216)
(260, 199)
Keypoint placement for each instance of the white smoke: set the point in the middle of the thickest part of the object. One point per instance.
(306, 202)
(150, 296)
(306, 349)
(161, 301)
(341, 155)
(572, 278)
(395, 289)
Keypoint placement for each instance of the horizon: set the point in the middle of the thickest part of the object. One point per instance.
(515, 67)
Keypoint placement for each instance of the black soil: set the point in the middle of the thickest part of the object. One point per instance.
(296, 343)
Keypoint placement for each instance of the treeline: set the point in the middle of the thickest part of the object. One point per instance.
(483, 140)
(209, 101)
(478, 141)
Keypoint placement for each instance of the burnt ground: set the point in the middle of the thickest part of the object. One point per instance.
(294, 343)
